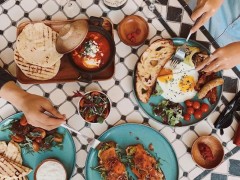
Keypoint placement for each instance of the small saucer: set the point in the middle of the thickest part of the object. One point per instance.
(133, 30)
(217, 150)
(71, 36)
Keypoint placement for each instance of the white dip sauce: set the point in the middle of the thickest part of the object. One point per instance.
(51, 170)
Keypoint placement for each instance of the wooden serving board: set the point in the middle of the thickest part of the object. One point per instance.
(67, 72)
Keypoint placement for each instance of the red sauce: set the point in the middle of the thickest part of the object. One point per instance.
(94, 47)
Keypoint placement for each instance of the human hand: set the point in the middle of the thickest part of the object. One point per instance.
(223, 58)
(204, 10)
(34, 106)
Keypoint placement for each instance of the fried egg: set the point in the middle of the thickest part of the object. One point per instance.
(178, 83)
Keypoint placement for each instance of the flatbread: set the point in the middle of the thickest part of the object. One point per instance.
(37, 45)
(3, 147)
(35, 71)
(13, 152)
(12, 170)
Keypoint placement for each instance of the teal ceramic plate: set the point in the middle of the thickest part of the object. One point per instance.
(67, 155)
(147, 108)
(130, 134)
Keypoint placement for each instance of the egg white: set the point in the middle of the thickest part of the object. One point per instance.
(171, 89)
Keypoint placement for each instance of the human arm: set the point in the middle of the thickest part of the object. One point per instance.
(223, 58)
(204, 10)
(33, 106)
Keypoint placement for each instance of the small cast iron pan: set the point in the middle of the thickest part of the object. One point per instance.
(95, 25)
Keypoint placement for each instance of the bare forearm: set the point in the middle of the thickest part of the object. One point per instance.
(12, 93)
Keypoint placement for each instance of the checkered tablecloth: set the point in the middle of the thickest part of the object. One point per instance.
(169, 19)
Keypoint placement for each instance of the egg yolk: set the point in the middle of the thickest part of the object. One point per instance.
(186, 83)
(165, 75)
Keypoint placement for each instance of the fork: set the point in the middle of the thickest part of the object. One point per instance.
(180, 53)
(94, 143)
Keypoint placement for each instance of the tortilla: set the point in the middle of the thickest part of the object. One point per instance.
(36, 44)
(35, 71)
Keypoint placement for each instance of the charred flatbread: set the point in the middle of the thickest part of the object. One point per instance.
(35, 71)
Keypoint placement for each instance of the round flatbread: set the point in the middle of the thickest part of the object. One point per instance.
(37, 45)
(35, 71)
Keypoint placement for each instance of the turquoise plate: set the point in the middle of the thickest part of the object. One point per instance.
(67, 155)
(130, 134)
(147, 108)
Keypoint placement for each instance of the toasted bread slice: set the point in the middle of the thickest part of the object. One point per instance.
(113, 168)
(149, 66)
(143, 165)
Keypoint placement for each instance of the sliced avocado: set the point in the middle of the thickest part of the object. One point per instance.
(190, 51)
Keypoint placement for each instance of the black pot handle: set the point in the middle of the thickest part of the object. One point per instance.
(87, 78)
(96, 21)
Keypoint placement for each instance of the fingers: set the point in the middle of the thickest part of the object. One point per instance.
(199, 11)
(206, 61)
(219, 68)
(216, 64)
(200, 22)
(49, 108)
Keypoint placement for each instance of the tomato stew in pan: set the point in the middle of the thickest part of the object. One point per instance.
(93, 53)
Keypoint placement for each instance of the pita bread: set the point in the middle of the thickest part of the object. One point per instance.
(12, 170)
(3, 147)
(35, 71)
(13, 152)
(36, 44)
(149, 66)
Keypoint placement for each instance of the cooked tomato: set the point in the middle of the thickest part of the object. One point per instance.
(187, 117)
(81, 103)
(41, 131)
(17, 138)
(204, 107)
(38, 140)
(198, 114)
(188, 103)
(23, 121)
(35, 146)
(58, 138)
(95, 93)
(190, 110)
(196, 105)
(90, 118)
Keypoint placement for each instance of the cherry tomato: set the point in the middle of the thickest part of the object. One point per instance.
(190, 110)
(188, 103)
(23, 121)
(58, 138)
(204, 107)
(40, 131)
(38, 139)
(81, 103)
(196, 105)
(17, 138)
(35, 146)
(198, 114)
(187, 117)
